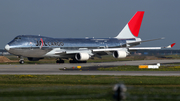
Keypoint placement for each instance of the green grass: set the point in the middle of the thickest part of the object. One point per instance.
(86, 88)
(136, 68)
(173, 56)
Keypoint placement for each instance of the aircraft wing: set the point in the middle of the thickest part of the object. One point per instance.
(106, 50)
(123, 52)
(132, 48)
(84, 54)
(150, 48)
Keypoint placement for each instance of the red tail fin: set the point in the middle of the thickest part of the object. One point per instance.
(173, 44)
(131, 30)
(135, 23)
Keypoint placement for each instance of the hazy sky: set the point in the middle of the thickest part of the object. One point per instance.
(89, 18)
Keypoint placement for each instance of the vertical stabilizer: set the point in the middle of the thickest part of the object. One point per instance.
(131, 30)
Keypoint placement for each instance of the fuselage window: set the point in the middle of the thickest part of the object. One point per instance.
(17, 38)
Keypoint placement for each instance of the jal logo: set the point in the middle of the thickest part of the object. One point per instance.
(43, 43)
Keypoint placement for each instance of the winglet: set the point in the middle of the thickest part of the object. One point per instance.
(173, 44)
(170, 46)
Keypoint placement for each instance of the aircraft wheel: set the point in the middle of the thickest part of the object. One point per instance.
(71, 61)
(60, 61)
(75, 61)
(82, 61)
(21, 61)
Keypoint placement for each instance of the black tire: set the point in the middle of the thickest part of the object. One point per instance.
(60, 61)
(75, 61)
(71, 61)
(21, 61)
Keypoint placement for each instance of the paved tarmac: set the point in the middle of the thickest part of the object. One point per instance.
(53, 69)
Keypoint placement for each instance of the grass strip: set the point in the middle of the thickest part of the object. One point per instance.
(86, 87)
(136, 68)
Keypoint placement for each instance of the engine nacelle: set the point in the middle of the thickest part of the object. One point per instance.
(34, 59)
(82, 56)
(119, 54)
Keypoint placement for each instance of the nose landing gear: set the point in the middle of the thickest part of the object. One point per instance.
(21, 61)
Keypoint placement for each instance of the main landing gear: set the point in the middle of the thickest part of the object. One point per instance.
(21, 61)
(70, 61)
(59, 61)
(76, 61)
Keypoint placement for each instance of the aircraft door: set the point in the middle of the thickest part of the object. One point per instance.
(30, 43)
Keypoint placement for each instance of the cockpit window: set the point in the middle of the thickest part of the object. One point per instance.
(17, 38)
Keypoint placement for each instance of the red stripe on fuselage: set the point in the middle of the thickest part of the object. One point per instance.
(42, 42)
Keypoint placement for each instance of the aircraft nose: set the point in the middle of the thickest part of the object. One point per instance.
(7, 47)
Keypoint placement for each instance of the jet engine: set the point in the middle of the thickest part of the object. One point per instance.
(119, 54)
(82, 56)
(34, 59)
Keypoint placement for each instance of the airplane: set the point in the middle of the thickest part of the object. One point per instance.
(79, 50)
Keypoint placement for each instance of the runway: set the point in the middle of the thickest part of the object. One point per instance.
(53, 69)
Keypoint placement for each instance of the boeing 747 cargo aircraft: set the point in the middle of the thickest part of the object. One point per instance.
(79, 50)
